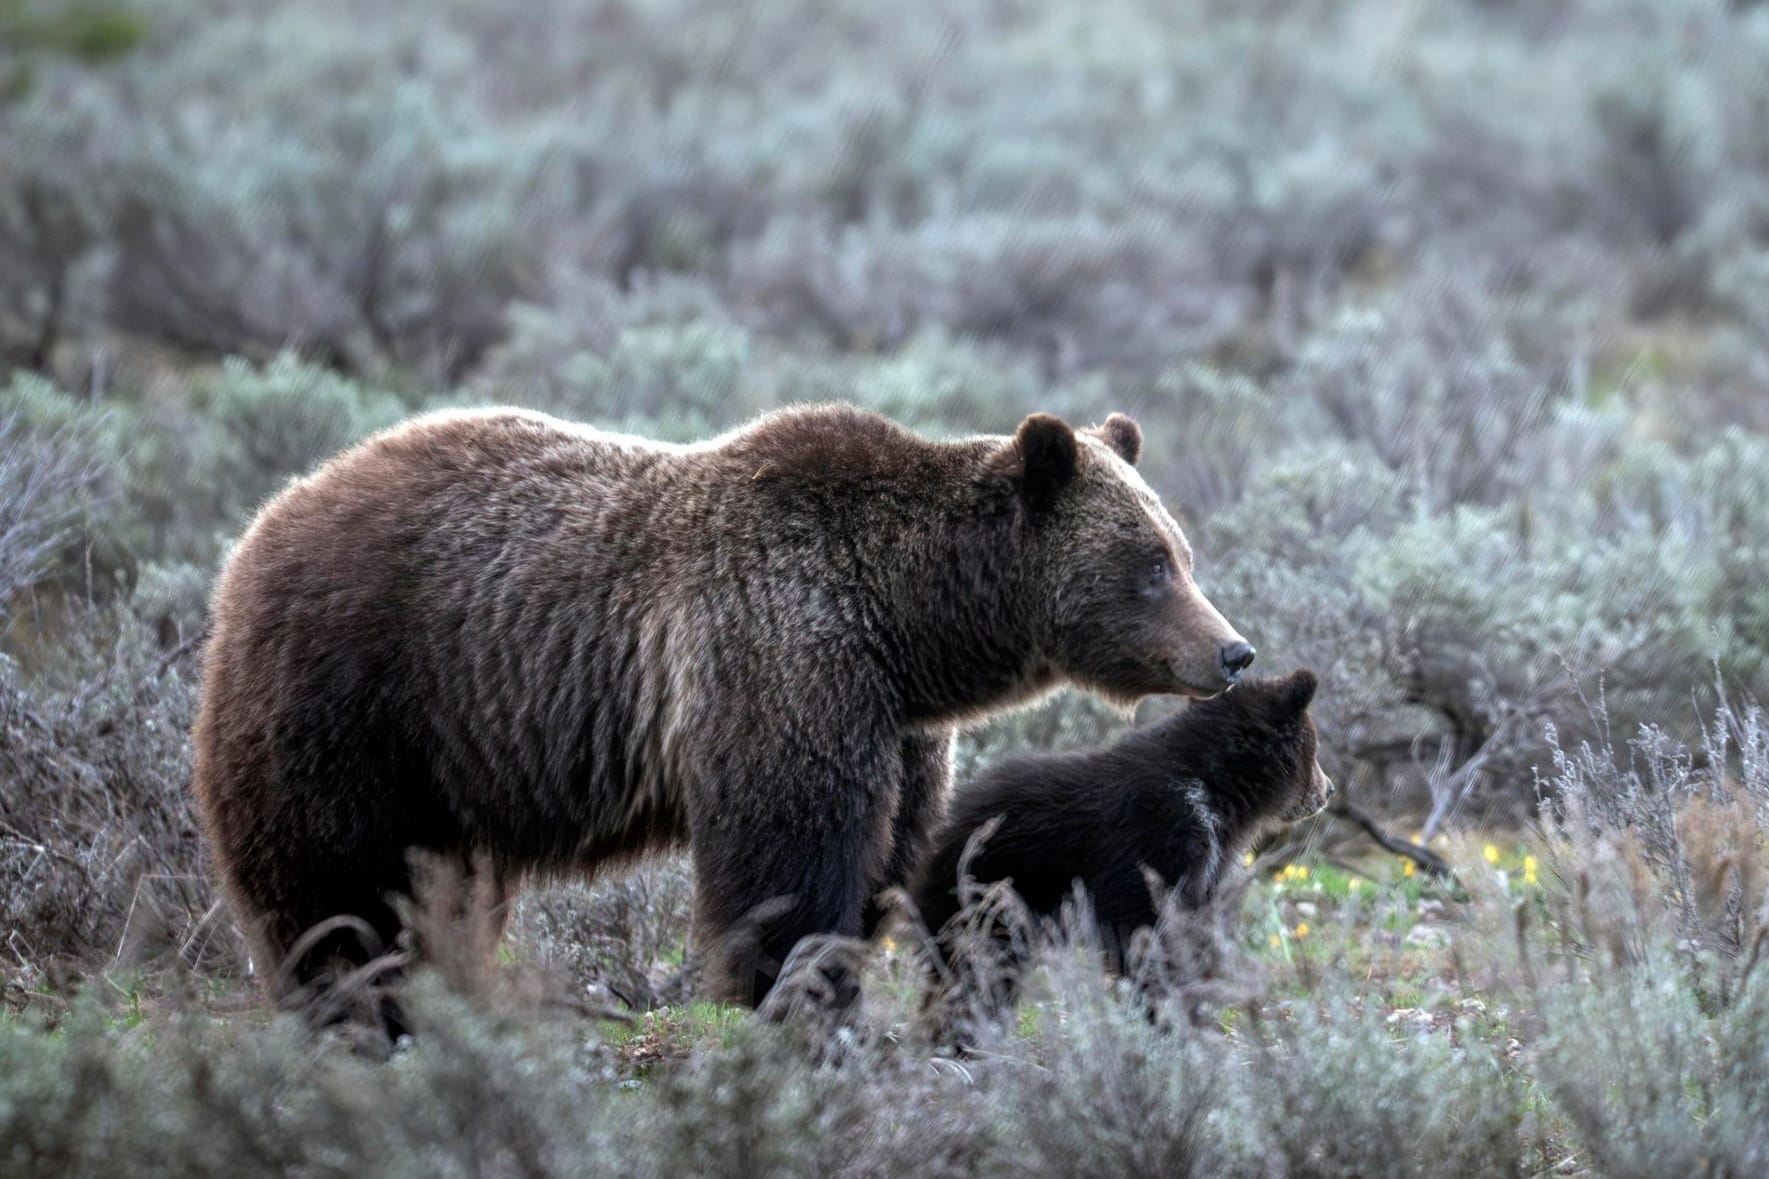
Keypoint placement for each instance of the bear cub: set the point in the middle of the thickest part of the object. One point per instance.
(1181, 798)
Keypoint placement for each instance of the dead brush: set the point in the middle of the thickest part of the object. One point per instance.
(1665, 838)
(977, 963)
(101, 866)
(623, 938)
(817, 996)
(1723, 847)
(1181, 971)
(974, 963)
(456, 919)
(359, 996)
(453, 926)
(1188, 966)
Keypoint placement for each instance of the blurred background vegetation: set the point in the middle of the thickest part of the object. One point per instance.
(1447, 322)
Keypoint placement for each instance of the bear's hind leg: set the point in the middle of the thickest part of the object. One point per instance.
(350, 966)
(337, 956)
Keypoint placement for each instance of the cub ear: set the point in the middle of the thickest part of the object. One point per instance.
(1048, 453)
(1121, 434)
(1299, 688)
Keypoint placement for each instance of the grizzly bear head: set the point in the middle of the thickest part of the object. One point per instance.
(1120, 611)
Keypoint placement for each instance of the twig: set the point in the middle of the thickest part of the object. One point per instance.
(179, 652)
(1450, 791)
(1551, 1168)
(41, 849)
(1420, 855)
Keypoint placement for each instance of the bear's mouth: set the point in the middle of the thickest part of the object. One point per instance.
(1190, 688)
(1307, 809)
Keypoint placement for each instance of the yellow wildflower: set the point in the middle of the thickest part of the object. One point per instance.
(1351, 885)
(1529, 869)
(1276, 941)
(1302, 871)
(1302, 929)
(1407, 868)
(1247, 859)
(1492, 854)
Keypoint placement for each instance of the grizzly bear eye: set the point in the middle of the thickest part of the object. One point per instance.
(1159, 572)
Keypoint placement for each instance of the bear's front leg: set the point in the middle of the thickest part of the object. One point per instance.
(780, 848)
(927, 770)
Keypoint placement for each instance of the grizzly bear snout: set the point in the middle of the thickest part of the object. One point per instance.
(1313, 800)
(1235, 658)
(1215, 655)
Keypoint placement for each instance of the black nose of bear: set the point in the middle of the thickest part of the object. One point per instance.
(1234, 659)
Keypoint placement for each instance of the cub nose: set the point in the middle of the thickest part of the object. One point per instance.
(1235, 658)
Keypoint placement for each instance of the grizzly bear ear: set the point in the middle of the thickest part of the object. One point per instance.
(1121, 434)
(1048, 453)
(1299, 689)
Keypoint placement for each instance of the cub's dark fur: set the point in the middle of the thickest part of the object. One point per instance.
(1181, 797)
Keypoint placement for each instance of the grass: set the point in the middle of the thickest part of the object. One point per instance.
(669, 1035)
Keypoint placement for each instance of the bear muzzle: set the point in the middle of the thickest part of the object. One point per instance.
(1205, 674)
(1323, 790)
(1234, 658)
(1313, 800)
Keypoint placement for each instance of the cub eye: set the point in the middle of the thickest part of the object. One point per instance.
(1159, 572)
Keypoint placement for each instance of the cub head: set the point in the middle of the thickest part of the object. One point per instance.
(1107, 568)
(1268, 739)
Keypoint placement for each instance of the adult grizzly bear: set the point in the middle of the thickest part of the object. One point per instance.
(499, 635)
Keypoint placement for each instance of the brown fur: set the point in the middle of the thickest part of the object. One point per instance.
(549, 649)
